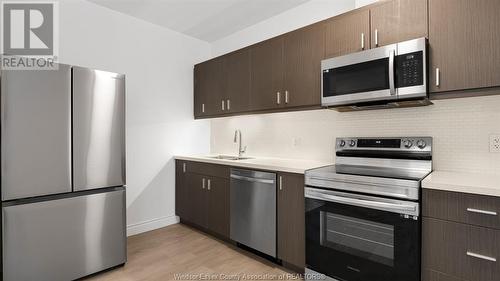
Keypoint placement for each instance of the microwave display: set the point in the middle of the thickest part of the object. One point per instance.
(409, 70)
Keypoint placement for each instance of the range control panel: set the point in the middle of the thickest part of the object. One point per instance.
(410, 69)
(401, 144)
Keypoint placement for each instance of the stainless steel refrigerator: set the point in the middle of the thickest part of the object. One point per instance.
(62, 173)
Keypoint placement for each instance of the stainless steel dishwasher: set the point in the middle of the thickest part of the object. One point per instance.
(253, 210)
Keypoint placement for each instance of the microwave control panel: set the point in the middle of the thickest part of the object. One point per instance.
(409, 69)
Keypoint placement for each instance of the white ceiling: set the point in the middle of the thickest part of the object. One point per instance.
(208, 20)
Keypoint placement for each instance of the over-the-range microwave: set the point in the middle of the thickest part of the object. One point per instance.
(389, 76)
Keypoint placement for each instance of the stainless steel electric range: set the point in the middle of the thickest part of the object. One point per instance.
(363, 213)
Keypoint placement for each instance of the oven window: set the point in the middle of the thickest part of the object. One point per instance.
(366, 239)
(356, 78)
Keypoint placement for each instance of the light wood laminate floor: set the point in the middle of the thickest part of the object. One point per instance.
(179, 249)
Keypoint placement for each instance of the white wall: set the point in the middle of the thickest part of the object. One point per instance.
(460, 128)
(158, 66)
(300, 16)
(361, 3)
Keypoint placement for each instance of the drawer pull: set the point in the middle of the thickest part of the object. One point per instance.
(474, 255)
(472, 210)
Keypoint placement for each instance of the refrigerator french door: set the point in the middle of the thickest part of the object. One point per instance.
(98, 129)
(63, 173)
(36, 132)
(357, 237)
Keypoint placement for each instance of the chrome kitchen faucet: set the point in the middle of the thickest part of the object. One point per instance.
(237, 139)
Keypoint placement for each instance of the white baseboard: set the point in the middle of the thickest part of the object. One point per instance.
(153, 224)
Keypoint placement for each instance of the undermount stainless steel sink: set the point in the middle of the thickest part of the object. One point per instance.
(229, 157)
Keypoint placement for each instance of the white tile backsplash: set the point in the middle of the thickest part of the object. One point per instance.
(461, 129)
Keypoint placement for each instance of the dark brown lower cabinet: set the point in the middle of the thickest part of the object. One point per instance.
(202, 196)
(457, 251)
(218, 206)
(181, 194)
(462, 207)
(202, 199)
(196, 185)
(291, 220)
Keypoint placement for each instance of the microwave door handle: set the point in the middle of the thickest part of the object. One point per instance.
(366, 203)
(392, 88)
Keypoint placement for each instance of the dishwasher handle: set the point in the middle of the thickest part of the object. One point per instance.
(250, 179)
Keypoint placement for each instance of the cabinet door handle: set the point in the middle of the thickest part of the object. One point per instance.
(203, 185)
(183, 167)
(228, 105)
(278, 97)
(362, 41)
(376, 37)
(477, 211)
(202, 108)
(478, 256)
(438, 77)
(223, 105)
(208, 187)
(286, 96)
(281, 183)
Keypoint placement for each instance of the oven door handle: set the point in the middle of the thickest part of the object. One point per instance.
(364, 203)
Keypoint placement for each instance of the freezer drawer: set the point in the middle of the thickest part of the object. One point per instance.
(64, 239)
(36, 132)
(98, 129)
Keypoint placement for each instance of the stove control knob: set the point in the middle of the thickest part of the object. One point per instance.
(342, 143)
(408, 143)
(352, 143)
(421, 144)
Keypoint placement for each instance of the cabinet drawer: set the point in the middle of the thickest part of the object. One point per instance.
(461, 207)
(463, 251)
(212, 170)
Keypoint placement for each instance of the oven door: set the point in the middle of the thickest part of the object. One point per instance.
(359, 238)
(360, 77)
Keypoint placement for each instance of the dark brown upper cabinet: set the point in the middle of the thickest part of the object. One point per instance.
(283, 73)
(200, 95)
(291, 219)
(398, 20)
(236, 75)
(464, 44)
(347, 33)
(208, 88)
(266, 74)
(303, 51)
(286, 70)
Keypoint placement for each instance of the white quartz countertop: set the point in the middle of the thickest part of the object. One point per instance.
(463, 182)
(298, 166)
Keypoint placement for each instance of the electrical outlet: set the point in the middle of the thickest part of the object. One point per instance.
(296, 141)
(495, 143)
